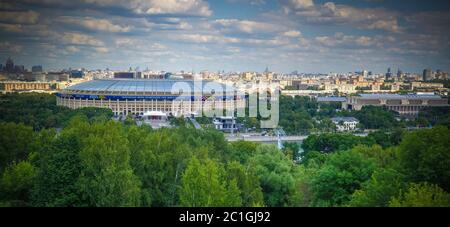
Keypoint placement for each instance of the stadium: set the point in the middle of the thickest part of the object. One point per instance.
(136, 97)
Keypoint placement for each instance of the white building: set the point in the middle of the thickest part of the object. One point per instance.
(345, 123)
(225, 124)
(156, 119)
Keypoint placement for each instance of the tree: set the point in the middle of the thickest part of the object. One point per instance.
(202, 185)
(342, 174)
(17, 141)
(106, 178)
(247, 183)
(422, 195)
(378, 191)
(328, 143)
(59, 166)
(17, 181)
(277, 176)
(373, 117)
(425, 155)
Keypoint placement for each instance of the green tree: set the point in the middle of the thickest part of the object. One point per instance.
(106, 178)
(17, 141)
(425, 155)
(378, 191)
(16, 182)
(247, 182)
(277, 176)
(342, 174)
(422, 195)
(202, 185)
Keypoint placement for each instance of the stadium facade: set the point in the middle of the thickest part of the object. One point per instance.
(134, 96)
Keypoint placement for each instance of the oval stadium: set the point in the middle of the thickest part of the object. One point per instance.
(134, 96)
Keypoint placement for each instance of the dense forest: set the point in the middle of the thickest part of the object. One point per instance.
(80, 157)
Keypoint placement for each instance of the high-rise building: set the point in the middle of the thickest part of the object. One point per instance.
(36, 69)
(19, 68)
(427, 74)
(9, 67)
(365, 73)
(123, 75)
(389, 74)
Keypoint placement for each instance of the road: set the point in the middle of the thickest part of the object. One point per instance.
(258, 138)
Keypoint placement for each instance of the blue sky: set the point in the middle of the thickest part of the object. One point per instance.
(231, 35)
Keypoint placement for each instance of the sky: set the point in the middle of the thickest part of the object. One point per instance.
(310, 36)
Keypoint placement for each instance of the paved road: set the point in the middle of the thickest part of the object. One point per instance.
(259, 138)
(195, 123)
(255, 138)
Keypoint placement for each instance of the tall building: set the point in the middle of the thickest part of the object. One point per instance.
(427, 74)
(389, 74)
(36, 69)
(9, 67)
(365, 73)
(124, 75)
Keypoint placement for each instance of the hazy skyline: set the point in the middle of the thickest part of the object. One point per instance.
(230, 35)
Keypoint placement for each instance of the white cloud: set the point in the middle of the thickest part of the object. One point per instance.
(292, 5)
(19, 17)
(388, 25)
(339, 39)
(14, 28)
(102, 50)
(158, 7)
(10, 47)
(292, 33)
(124, 42)
(335, 14)
(72, 49)
(95, 24)
(80, 39)
(246, 26)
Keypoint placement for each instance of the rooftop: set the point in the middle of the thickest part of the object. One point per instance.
(148, 85)
(397, 96)
(344, 119)
(331, 99)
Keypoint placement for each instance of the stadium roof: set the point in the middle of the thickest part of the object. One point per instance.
(148, 85)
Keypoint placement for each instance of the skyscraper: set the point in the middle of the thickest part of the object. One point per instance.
(9, 67)
(427, 74)
(36, 69)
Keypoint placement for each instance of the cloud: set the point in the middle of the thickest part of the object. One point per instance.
(292, 33)
(200, 38)
(137, 7)
(94, 24)
(102, 50)
(80, 39)
(19, 17)
(293, 5)
(330, 13)
(72, 49)
(124, 42)
(13, 28)
(10, 47)
(388, 25)
(246, 26)
(339, 39)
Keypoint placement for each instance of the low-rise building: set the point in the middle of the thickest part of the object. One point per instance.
(402, 104)
(19, 86)
(345, 123)
(225, 124)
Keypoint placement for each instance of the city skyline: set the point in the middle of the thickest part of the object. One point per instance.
(233, 35)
